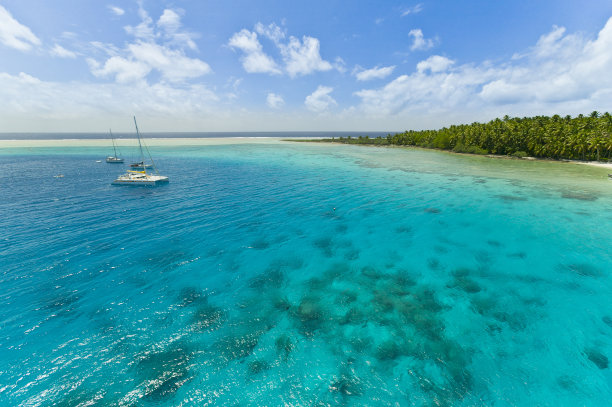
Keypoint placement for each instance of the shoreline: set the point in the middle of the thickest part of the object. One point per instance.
(599, 164)
(212, 141)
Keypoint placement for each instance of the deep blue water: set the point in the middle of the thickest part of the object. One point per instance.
(300, 274)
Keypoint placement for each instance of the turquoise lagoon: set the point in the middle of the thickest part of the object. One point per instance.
(301, 274)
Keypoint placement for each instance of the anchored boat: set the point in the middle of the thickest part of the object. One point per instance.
(114, 159)
(142, 177)
(141, 164)
(139, 178)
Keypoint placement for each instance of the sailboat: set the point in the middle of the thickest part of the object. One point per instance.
(133, 177)
(114, 159)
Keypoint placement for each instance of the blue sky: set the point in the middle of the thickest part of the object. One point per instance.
(195, 65)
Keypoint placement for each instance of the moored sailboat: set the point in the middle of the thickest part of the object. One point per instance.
(142, 177)
(114, 159)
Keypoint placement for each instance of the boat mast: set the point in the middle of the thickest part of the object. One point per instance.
(113, 141)
(144, 167)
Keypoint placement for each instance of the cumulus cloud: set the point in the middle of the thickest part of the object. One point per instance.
(59, 51)
(419, 42)
(169, 21)
(15, 35)
(372, 73)
(159, 46)
(254, 60)
(118, 11)
(125, 70)
(300, 57)
(320, 100)
(560, 73)
(274, 101)
(435, 63)
(271, 31)
(303, 57)
(170, 26)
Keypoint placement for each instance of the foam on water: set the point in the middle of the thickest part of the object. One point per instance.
(299, 274)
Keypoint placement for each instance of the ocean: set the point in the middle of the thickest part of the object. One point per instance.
(299, 274)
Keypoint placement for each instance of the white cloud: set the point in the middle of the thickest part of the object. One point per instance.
(272, 32)
(144, 30)
(158, 47)
(23, 97)
(274, 101)
(300, 57)
(419, 42)
(14, 34)
(124, 70)
(172, 64)
(169, 20)
(412, 10)
(435, 63)
(340, 65)
(372, 73)
(118, 11)
(170, 25)
(320, 100)
(563, 73)
(254, 59)
(59, 51)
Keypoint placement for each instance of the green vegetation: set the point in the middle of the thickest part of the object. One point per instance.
(556, 137)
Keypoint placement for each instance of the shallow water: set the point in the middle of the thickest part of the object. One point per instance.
(301, 274)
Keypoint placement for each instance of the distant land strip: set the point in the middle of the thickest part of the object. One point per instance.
(587, 138)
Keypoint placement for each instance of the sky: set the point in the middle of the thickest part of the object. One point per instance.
(268, 65)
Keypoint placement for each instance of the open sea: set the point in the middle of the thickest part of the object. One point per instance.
(298, 274)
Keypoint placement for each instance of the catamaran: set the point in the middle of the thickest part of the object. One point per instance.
(133, 177)
(114, 159)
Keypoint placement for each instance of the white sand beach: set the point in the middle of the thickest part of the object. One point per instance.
(132, 142)
(595, 164)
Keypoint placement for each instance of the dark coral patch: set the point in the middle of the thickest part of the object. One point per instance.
(595, 356)
(511, 198)
(581, 196)
(582, 269)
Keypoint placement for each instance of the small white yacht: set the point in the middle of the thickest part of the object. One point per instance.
(114, 159)
(141, 177)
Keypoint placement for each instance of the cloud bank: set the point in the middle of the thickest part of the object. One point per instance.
(561, 73)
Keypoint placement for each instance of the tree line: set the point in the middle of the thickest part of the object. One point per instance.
(576, 138)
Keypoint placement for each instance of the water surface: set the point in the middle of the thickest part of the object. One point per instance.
(303, 274)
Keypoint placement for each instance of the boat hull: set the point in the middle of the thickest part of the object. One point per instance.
(114, 160)
(150, 180)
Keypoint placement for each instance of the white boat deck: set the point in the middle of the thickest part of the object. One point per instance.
(139, 178)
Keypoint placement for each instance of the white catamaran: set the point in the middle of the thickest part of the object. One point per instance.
(141, 177)
(114, 159)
